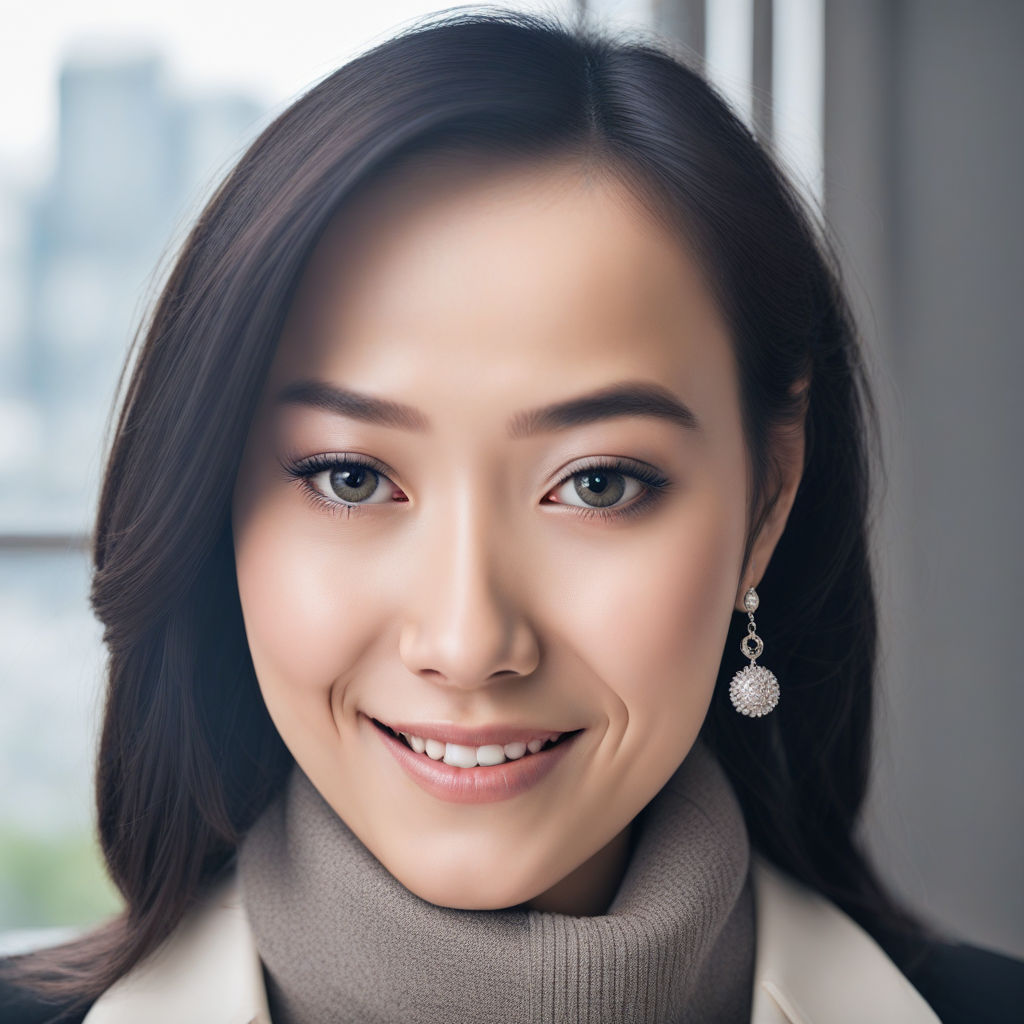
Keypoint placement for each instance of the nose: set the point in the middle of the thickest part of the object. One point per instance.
(466, 626)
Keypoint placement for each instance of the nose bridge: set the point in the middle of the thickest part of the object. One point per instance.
(466, 623)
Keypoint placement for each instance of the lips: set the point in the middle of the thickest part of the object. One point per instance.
(480, 784)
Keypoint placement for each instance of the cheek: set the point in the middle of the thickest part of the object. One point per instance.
(305, 605)
(657, 637)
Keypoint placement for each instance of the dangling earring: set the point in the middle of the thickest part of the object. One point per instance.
(754, 691)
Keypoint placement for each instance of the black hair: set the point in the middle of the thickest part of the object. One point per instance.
(189, 756)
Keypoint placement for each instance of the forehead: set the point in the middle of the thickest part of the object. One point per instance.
(468, 281)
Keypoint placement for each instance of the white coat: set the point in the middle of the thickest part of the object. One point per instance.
(813, 965)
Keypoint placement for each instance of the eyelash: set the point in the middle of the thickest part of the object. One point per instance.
(303, 470)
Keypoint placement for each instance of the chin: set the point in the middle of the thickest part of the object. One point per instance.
(463, 887)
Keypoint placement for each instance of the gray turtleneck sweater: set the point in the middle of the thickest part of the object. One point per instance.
(342, 940)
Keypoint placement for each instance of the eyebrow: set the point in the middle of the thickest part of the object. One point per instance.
(625, 398)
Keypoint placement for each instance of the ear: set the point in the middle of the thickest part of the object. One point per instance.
(788, 446)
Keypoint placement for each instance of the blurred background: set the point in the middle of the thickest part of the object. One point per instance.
(900, 121)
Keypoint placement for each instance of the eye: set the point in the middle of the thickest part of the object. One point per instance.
(605, 488)
(345, 481)
(609, 488)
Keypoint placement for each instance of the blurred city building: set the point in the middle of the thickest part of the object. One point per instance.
(81, 255)
(79, 259)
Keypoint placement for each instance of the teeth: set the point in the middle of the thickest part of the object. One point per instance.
(492, 754)
(460, 756)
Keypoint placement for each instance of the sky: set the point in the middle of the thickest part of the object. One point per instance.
(271, 51)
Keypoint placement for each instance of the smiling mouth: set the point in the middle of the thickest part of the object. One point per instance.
(458, 755)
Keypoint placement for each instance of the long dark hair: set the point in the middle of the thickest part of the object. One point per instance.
(189, 756)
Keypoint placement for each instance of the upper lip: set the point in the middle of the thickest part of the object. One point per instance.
(472, 736)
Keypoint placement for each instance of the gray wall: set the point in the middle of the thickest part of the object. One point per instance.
(924, 171)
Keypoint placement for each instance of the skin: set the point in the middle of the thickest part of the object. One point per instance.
(485, 596)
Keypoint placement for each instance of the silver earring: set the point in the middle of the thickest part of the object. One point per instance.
(754, 691)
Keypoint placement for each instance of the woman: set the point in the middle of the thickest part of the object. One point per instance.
(501, 407)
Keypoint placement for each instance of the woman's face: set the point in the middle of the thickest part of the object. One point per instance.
(496, 484)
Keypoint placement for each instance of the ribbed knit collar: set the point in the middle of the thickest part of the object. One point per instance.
(342, 940)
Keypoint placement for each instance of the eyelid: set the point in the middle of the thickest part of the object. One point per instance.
(296, 466)
(623, 464)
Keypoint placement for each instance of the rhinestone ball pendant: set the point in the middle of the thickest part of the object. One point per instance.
(754, 691)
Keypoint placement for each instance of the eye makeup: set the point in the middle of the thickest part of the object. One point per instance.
(306, 471)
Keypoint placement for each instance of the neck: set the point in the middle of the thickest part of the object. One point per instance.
(588, 891)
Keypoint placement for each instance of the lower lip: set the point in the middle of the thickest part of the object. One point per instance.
(481, 785)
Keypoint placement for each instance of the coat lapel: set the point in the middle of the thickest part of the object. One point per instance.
(207, 972)
(813, 965)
